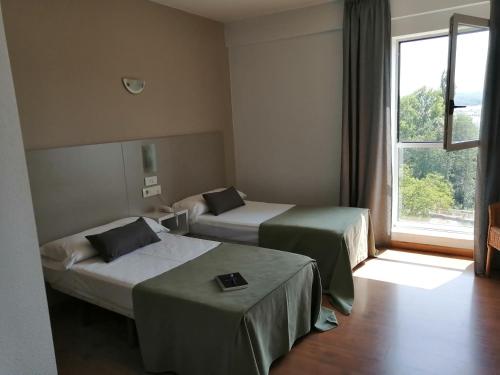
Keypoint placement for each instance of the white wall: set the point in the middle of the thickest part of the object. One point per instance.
(285, 80)
(25, 336)
(286, 84)
(287, 112)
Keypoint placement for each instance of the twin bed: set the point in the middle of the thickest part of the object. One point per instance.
(242, 225)
(168, 287)
(110, 285)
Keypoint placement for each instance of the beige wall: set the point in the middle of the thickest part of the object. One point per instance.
(68, 57)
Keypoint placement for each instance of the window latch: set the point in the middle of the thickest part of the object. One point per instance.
(452, 106)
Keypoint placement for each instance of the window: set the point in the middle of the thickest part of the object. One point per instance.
(434, 189)
(468, 46)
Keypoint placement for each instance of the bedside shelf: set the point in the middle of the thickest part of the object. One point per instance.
(177, 223)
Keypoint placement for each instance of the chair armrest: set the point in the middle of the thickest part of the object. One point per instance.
(494, 214)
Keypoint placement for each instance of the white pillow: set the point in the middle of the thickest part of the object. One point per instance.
(196, 205)
(76, 248)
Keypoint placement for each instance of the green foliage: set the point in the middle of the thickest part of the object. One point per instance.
(421, 116)
(457, 167)
(421, 119)
(463, 128)
(422, 196)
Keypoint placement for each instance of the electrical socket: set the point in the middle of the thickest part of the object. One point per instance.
(151, 191)
(150, 181)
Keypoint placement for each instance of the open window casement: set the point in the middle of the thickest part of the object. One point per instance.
(468, 51)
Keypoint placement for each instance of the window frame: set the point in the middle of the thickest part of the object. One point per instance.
(398, 144)
(455, 20)
(398, 42)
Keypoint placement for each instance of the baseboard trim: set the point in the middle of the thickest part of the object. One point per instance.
(464, 253)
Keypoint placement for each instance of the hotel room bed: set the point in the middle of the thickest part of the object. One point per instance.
(109, 285)
(338, 238)
(241, 225)
(168, 287)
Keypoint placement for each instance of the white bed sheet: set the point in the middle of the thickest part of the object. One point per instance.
(240, 224)
(109, 285)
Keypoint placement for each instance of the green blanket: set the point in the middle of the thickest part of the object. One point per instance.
(326, 234)
(186, 324)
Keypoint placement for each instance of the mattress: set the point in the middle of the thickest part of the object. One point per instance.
(238, 225)
(109, 285)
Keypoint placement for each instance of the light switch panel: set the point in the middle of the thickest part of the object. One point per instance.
(150, 181)
(151, 191)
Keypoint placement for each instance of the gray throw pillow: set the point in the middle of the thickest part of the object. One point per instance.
(123, 240)
(223, 201)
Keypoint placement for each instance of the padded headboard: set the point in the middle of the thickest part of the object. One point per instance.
(75, 188)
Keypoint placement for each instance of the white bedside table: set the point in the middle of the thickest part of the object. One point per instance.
(177, 223)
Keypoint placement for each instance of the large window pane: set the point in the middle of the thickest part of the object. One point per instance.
(422, 83)
(470, 68)
(437, 188)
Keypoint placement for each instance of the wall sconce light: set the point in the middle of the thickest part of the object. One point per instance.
(133, 85)
(149, 158)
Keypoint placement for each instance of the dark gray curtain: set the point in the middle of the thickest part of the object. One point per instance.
(366, 129)
(488, 176)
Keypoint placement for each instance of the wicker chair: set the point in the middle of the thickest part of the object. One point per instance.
(493, 233)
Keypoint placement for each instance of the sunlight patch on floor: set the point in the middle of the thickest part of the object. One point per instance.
(411, 269)
(424, 259)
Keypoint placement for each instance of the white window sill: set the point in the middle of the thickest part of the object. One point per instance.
(459, 240)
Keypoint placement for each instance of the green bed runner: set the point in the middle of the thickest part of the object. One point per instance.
(322, 233)
(186, 324)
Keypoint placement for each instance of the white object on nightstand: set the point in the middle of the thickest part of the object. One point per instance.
(177, 222)
(166, 209)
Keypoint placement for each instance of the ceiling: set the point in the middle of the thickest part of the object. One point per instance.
(232, 10)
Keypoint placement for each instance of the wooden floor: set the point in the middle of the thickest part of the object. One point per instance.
(413, 314)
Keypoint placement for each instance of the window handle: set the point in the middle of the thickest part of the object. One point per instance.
(452, 106)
